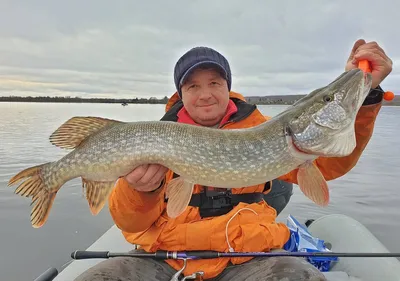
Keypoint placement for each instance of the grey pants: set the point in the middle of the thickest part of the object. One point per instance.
(140, 269)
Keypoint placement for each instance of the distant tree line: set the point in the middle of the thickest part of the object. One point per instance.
(284, 99)
(69, 99)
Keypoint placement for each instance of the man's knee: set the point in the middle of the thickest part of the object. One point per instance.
(294, 268)
(286, 268)
(272, 268)
(128, 269)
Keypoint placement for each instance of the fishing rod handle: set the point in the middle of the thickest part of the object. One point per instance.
(81, 255)
(48, 275)
(202, 254)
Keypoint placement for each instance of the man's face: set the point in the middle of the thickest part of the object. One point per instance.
(205, 95)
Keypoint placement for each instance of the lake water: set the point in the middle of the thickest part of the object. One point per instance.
(369, 193)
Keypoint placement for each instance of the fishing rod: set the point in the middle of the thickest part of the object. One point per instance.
(192, 255)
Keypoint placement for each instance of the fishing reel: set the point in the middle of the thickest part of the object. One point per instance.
(193, 276)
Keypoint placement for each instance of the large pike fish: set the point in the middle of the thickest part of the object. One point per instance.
(320, 124)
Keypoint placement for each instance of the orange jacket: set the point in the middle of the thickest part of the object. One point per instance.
(143, 220)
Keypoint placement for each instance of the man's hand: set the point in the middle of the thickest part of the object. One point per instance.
(381, 64)
(146, 177)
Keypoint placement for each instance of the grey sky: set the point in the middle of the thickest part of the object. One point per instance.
(128, 48)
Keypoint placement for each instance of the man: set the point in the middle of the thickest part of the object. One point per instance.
(138, 206)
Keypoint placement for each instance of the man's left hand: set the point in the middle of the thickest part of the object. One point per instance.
(381, 64)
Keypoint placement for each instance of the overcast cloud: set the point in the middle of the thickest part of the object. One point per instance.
(128, 49)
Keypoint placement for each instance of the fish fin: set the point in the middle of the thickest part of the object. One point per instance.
(97, 193)
(35, 187)
(77, 129)
(28, 172)
(40, 212)
(313, 184)
(179, 193)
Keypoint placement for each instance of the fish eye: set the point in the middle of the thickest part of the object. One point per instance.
(328, 98)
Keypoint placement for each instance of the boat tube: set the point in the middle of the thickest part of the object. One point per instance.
(345, 234)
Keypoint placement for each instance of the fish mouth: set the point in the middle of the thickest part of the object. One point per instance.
(360, 80)
(354, 80)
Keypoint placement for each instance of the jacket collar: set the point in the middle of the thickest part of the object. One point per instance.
(184, 117)
(243, 109)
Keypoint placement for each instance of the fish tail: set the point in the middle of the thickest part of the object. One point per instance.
(34, 186)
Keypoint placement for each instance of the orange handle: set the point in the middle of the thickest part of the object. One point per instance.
(365, 66)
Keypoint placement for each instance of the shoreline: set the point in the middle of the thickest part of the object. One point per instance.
(259, 100)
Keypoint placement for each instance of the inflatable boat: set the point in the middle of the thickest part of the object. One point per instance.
(343, 233)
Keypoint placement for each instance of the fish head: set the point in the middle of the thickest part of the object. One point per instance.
(323, 122)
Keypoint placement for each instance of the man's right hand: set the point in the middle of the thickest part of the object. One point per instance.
(146, 177)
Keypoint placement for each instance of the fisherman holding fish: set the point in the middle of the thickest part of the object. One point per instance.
(238, 219)
(205, 176)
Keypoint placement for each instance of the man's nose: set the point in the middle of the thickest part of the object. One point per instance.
(205, 93)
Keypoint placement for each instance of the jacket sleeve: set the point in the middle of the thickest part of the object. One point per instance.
(333, 168)
(134, 211)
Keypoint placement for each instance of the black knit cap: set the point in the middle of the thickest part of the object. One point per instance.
(200, 56)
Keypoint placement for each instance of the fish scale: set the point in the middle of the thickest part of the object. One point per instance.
(103, 150)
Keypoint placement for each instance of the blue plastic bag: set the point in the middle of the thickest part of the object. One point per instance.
(302, 241)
